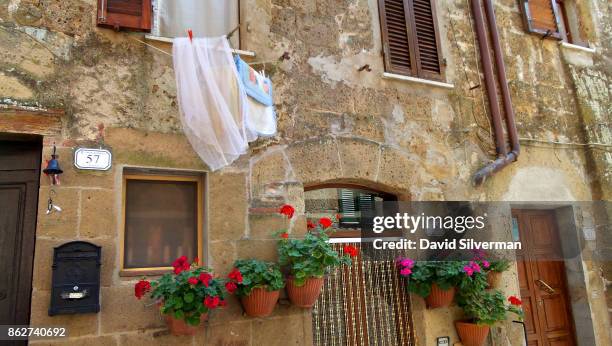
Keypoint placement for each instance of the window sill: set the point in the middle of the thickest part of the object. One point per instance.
(144, 272)
(169, 40)
(576, 47)
(395, 76)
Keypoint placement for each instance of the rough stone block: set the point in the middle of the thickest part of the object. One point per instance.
(152, 149)
(237, 333)
(106, 340)
(398, 170)
(150, 337)
(269, 169)
(289, 330)
(260, 249)
(43, 260)
(60, 225)
(222, 255)
(121, 311)
(98, 217)
(359, 158)
(315, 160)
(228, 206)
(77, 324)
(263, 226)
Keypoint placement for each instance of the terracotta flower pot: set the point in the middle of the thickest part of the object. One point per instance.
(472, 334)
(304, 296)
(439, 298)
(260, 302)
(180, 327)
(494, 279)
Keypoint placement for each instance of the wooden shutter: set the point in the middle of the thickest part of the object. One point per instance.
(428, 44)
(125, 14)
(410, 38)
(394, 16)
(541, 17)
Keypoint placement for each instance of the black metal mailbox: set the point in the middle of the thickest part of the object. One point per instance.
(76, 278)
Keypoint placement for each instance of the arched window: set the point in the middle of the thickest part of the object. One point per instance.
(351, 207)
(366, 303)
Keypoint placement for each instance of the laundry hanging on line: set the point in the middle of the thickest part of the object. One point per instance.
(213, 103)
(261, 117)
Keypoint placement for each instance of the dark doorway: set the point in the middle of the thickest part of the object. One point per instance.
(541, 272)
(19, 182)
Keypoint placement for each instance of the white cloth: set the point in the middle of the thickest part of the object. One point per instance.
(213, 106)
(261, 119)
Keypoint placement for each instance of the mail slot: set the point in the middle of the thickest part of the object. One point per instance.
(76, 278)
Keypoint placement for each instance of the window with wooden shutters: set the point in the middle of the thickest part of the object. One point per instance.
(542, 17)
(411, 42)
(125, 14)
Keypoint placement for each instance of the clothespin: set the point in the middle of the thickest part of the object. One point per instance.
(190, 34)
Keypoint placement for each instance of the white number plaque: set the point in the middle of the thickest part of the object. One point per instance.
(95, 159)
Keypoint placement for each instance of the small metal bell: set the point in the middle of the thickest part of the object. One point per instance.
(53, 169)
(53, 166)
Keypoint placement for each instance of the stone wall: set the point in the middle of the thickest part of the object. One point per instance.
(335, 124)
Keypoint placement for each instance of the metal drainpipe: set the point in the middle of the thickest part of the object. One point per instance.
(505, 158)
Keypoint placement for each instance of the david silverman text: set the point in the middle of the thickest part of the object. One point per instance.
(446, 244)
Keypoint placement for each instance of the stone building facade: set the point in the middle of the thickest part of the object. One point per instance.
(87, 86)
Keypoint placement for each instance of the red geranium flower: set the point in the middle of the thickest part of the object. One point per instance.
(193, 280)
(351, 250)
(325, 222)
(142, 287)
(515, 301)
(284, 235)
(180, 264)
(287, 210)
(196, 261)
(205, 278)
(235, 275)
(222, 303)
(211, 302)
(231, 287)
(310, 224)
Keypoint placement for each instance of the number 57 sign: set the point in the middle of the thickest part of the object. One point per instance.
(95, 159)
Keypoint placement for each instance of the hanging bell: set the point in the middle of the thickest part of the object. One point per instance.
(53, 169)
(53, 166)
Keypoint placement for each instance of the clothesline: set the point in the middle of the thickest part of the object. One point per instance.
(170, 55)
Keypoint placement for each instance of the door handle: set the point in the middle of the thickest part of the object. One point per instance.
(546, 286)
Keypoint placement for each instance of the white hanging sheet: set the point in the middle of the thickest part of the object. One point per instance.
(213, 106)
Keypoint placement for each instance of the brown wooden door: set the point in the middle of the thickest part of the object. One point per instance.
(19, 182)
(541, 271)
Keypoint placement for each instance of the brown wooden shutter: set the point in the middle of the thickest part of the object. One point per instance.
(410, 38)
(428, 43)
(394, 16)
(125, 14)
(541, 17)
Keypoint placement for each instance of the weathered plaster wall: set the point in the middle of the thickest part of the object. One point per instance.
(335, 123)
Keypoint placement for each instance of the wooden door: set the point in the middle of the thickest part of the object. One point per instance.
(19, 182)
(541, 271)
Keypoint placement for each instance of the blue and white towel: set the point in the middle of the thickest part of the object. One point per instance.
(261, 115)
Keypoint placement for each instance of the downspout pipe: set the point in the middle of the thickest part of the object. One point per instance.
(487, 66)
(504, 157)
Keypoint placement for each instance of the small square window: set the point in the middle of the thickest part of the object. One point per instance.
(162, 220)
(210, 18)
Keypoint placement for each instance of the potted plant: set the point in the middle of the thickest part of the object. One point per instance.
(257, 284)
(482, 308)
(309, 259)
(184, 297)
(433, 280)
(482, 311)
(495, 270)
